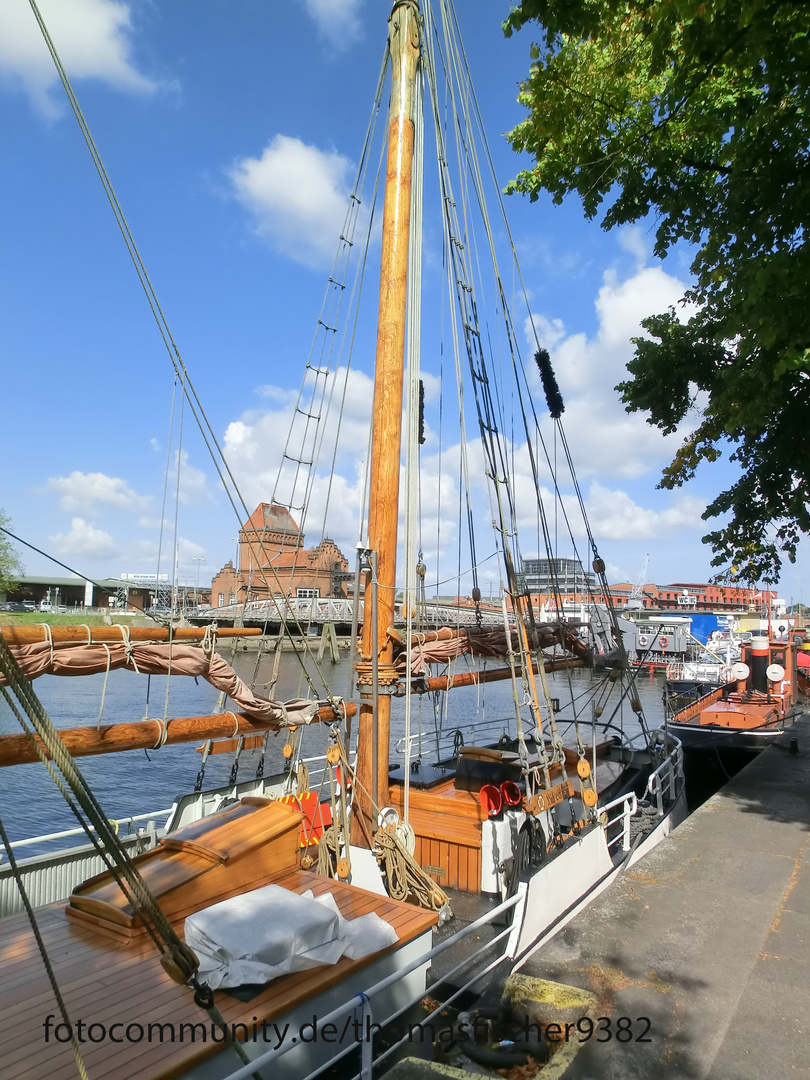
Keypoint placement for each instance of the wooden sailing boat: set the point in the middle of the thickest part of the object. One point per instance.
(528, 827)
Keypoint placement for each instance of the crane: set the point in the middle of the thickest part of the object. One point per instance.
(635, 601)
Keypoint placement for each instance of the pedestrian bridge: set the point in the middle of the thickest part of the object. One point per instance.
(312, 611)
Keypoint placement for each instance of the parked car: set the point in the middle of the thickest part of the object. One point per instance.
(12, 605)
(29, 605)
(45, 605)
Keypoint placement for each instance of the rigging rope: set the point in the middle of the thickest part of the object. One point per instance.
(134, 886)
(177, 959)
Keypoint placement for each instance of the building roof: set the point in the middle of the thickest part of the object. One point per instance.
(273, 518)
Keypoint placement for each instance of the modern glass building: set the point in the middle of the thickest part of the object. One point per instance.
(548, 575)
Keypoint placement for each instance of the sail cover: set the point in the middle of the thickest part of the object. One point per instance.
(272, 931)
(70, 658)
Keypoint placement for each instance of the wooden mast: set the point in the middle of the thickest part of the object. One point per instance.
(403, 37)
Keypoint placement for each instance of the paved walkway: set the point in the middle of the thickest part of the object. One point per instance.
(708, 937)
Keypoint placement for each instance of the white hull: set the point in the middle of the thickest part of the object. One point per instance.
(552, 901)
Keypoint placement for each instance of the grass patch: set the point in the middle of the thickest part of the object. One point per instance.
(36, 618)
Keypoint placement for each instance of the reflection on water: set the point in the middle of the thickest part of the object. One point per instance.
(138, 781)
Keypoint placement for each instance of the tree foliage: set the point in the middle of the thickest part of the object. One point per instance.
(697, 112)
(10, 565)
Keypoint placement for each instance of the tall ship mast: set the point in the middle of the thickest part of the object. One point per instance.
(376, 668)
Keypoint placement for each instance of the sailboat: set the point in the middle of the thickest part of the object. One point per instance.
(282, 975)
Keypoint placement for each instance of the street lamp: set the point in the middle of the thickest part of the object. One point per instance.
(197, 559)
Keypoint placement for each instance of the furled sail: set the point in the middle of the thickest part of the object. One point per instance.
(54, 658)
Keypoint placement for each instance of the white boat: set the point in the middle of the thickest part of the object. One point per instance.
(528, 830)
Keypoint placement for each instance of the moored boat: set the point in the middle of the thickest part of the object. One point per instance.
(529, 829)
(755, 705)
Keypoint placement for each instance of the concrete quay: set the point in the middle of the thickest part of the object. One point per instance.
(708, 937)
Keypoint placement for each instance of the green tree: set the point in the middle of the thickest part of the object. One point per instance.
(10, 565)
(697, 112)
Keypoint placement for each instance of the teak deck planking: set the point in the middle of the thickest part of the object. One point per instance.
(106, 983)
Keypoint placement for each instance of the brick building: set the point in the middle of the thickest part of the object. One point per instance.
(274, 562)
(688, 597)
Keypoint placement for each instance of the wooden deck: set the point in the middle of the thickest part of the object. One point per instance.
(105, 983)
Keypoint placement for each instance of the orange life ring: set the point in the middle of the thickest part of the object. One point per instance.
(339, 781)
(664, 642)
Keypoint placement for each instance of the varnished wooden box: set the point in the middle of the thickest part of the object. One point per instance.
(191, 867)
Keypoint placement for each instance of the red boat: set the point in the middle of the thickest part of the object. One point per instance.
(803, 671)
(757, 705)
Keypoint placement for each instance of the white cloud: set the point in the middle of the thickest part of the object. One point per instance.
(631, 239)
(254, 445)
(614, 515)
(622, 305)
(337, 19)
(83, 491)
(549, 331)
(86, 540)
(298, 196)
(604, 438)
(147, 522)
(606, 443)
(193, 482)
(92, 37)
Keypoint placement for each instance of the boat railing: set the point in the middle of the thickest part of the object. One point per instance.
(472, 733)
(362, 1006)
(117, 823)
(627, 806)
(664, 784)
(688, 712)
(52, 874)
(319, 770)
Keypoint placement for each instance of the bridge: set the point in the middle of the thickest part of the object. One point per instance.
(316, 611)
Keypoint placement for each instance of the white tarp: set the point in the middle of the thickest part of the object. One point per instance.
(271, 931)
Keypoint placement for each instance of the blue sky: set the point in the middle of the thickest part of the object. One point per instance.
(231, 131)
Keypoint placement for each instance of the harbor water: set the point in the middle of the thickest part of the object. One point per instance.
(137, 781)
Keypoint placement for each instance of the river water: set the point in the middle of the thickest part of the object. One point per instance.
(137, 781)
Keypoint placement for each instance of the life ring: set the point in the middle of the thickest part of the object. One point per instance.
(664, 641)
(643, 639)
(726, 675)
(339, 781)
